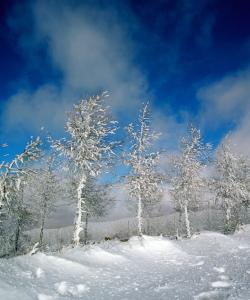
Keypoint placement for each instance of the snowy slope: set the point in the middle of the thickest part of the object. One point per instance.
(209, 266)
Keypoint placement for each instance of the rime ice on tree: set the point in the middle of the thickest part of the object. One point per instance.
(231, 184)
(88, 148)
(187, 180)
(12, 181)
(143, 180)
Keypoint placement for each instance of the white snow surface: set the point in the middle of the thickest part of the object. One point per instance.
(208, 266)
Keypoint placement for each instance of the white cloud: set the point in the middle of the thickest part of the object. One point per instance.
(91, 46)
(93, 49)
(227, 101)
(27, 112)
(165, 123)
(241, 136)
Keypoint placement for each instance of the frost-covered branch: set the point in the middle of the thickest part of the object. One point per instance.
(89, 147)
(143, 180)
(231, 184)
(187, 182)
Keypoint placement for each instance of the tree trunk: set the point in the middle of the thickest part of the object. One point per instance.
(128, 230)
(237, 217)
(79, 210)
(17, 236)
(179, 229)
(208, 216)
(139, 216)
(228, 219)
(187, 223)
(148, 226)
(41, 231)
(86, 229)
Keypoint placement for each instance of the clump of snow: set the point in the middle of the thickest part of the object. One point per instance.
(199, 263)
(67, 289)
(212, 295)
(219, 269)
(221, 284)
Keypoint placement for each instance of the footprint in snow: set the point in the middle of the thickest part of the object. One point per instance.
(223, 277)
(39, 273)
(66, 289)
(161, 287)
(45, 297)
(27, 274)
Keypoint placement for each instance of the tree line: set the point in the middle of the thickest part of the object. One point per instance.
(71, 166)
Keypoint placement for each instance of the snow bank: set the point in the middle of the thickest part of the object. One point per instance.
(209, 266)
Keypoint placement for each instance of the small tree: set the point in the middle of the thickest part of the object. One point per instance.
(16, 166)
(88, 148)
(187, 181)
(152, 194)
(97, 200)
(12, 182)
(232, 184)
(143, 180)
(44, 189)
(18, 208)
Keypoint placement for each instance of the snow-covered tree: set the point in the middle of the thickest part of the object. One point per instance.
(143, 180)
(89, 147)
(17, 167)
(18, 208)
(187, 181)
(96, 197)
(44, 189)
(232, 184)
(12, 181)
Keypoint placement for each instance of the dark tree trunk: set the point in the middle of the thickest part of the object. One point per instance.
(179, 227)
(44, 212)
(86, 229)
(17, 236)
(41, 231)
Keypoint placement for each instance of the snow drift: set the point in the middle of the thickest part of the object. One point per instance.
(209, 266)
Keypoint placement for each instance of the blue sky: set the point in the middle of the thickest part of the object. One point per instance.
(189, 58)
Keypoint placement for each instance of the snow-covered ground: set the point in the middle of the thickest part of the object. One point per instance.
(209, 266)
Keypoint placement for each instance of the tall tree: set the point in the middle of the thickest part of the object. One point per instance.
(89, 147)
(187, 181)
(232, 184)
(143, 180)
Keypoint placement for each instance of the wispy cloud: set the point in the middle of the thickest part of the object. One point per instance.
(91, 46)
(227, 101)
(29, 111)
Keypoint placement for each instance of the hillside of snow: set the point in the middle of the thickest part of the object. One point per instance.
(209, 266)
